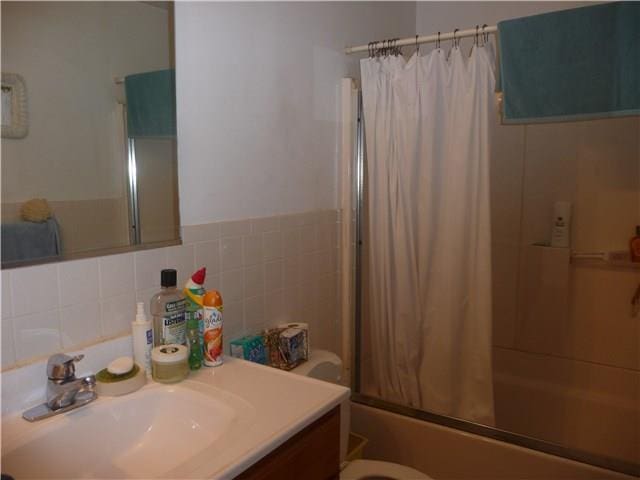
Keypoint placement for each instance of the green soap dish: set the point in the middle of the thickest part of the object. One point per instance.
(111, 385)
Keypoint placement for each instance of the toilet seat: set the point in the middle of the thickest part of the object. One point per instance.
(364, 469)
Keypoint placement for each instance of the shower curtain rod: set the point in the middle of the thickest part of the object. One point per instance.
(426, 39)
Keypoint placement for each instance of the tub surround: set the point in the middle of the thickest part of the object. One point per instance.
(270, 270)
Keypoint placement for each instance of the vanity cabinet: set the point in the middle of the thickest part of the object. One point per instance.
(312, 454)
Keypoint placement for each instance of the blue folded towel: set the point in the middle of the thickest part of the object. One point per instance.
(29, 241)
(151, 104)
(576, 64)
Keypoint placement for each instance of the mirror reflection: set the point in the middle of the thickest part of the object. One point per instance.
(88, 129)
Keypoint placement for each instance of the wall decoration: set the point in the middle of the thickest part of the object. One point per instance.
(15, 122)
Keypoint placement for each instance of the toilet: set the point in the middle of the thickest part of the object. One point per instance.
(327, 366)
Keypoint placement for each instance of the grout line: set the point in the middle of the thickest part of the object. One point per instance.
(570, 359)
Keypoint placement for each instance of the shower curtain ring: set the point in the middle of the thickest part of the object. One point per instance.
(438, 41)
(417, 45)
(455, 40)
(485, 36)
(475, 38)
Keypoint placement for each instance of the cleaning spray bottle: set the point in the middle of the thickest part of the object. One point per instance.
(194, 293)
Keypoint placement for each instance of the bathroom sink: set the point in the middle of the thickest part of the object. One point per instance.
(215, 424)
(153, 432)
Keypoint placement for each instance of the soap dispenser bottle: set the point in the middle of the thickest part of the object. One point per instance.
(142, 339)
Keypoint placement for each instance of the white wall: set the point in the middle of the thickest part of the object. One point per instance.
(68, 54)
(258, 101)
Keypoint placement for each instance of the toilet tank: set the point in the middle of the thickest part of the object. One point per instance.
(327, 366)
(322, 365)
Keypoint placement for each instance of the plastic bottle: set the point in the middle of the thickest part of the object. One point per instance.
(212, 328)
(194, 344)
(194, 293)
(560, 229)
(634, 246)
(142, 339)
(168, 310)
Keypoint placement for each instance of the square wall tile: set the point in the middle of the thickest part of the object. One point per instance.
(208, 256)
(34, 289)
(252, 247)
(272, 246)
(117, 313)
(6, 308)
(273, 276)
(144, 296)
(291, 271)
(265, 224)
(290, 243)
(116, 274)
(200, 233)
(79, 281)
(37, 334)
(307, 235)
(254, 280)
(254, 314)
(232, 286)
(235, 228)
(181, 257)
(233, 317)
(327, 236)
(291, 221)
(149, 264)
(231, 253)
(213, 282)
(274, 313)
(8, 348)
(80, 323)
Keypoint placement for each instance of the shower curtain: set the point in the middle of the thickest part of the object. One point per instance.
(427, 124)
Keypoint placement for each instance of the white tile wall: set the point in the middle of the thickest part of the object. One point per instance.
(269, 270)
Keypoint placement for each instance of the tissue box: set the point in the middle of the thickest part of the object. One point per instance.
(249, 348)
(287, 347)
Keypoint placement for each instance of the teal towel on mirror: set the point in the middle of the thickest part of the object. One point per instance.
(151, 104)
(576, 64)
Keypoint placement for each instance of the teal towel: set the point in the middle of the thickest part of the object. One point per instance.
(151, 104)
(576, 64)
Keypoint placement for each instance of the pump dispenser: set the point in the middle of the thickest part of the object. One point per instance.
(142, 339)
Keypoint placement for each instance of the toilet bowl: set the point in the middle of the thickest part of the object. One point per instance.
(327, 366)
(375, 470)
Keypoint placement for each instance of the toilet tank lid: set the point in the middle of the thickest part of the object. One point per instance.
(318, 357)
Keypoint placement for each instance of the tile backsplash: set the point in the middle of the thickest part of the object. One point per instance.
(269, 270)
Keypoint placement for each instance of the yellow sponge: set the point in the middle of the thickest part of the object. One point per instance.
(35, 210)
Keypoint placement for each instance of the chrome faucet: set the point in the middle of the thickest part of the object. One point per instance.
(64, 391)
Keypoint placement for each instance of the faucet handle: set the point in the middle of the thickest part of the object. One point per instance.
(62, 367)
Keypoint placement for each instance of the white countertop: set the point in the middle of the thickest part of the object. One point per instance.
(285, 403)
(280, 404)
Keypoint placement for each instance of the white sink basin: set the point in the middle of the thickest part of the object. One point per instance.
(150, 433)
(215, 424)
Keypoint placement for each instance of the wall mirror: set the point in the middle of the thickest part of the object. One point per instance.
(96, 171)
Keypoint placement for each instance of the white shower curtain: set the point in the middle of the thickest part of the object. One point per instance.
(427, 126)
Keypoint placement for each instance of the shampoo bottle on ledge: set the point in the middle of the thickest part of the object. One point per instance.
(634, 246)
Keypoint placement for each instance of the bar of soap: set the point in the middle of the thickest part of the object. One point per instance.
(108, 384)
(120, 366)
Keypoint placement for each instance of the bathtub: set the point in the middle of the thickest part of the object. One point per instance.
(447, 453)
